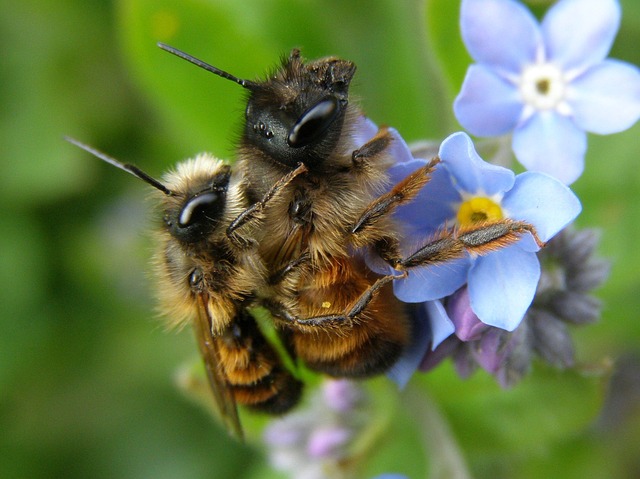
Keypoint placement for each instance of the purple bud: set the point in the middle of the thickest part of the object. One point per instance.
(340, 394)
(490, 351)
(285, 433)
(468, 325)
(432, 358)
(326, 441)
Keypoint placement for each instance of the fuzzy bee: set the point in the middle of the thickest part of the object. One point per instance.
(341, 319)
(211, 280)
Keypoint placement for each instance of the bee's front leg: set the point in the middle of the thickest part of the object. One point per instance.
(254, 213)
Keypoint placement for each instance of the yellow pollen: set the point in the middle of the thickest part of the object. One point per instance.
(326, 304)
(477, 210)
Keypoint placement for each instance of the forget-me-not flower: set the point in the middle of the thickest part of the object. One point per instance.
(548, 83)
(571, 270)
(465, 189)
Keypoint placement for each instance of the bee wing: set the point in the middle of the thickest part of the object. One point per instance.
(293, 245)
(209, 349)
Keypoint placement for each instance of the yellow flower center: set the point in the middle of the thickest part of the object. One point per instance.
(477, 210)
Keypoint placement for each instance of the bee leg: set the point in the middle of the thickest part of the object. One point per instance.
(372, 148)
(365, 298)
(478, 239)
(388, 248)
(280, 275)
(337, 321)
(254, 212)
(384, 205)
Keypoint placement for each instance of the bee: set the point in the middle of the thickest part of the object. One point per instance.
(210, 278)
(342, 319)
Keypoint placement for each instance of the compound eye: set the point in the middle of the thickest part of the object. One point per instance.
(195, 209)
(313, 123)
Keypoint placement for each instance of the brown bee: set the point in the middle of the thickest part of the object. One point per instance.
(209, 276)
(342, 319)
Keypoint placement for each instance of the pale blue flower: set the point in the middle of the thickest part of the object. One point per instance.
(502, 283)
(546, 83)
(571, 270)
(431, 326)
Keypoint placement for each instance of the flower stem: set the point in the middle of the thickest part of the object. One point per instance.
(445, 456)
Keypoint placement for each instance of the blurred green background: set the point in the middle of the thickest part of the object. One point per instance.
(86, 369)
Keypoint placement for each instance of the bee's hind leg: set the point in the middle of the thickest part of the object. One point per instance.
(339, 320)
(478, 239)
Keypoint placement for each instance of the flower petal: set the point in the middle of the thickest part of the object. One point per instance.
(399, 148)
(544, 202)
(432, 207)
(441, 326)
(487, 104)
(553, 144)
(467, 324)
(502, 286)
(426, 283)
(579, 33)
(606, 99)
(502, 34)
(427, 314)
(376, 264)
(364, 129)
(471, 173)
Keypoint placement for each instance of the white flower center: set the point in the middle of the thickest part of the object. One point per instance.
(543, 86)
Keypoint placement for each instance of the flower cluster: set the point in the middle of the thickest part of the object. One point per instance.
(499, 286)
(570, 270)
(313, 442)
(547, 87)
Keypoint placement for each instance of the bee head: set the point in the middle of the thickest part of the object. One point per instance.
(193, 215)
(296, 116)
(195, 194)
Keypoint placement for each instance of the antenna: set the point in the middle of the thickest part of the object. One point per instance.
(132, 169)
(248, 84)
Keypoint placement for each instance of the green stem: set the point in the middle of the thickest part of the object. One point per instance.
(445, 456)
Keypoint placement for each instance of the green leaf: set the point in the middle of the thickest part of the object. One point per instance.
(49, 89)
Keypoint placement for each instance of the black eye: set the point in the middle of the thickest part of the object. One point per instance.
(195, 209)
(313, 123)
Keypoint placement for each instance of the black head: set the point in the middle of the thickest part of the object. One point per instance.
(296, 115)
(189, 215)
(196, 215)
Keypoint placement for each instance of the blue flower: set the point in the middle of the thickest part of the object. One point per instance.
(431, 326)
(547, 83)
(502, 283)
